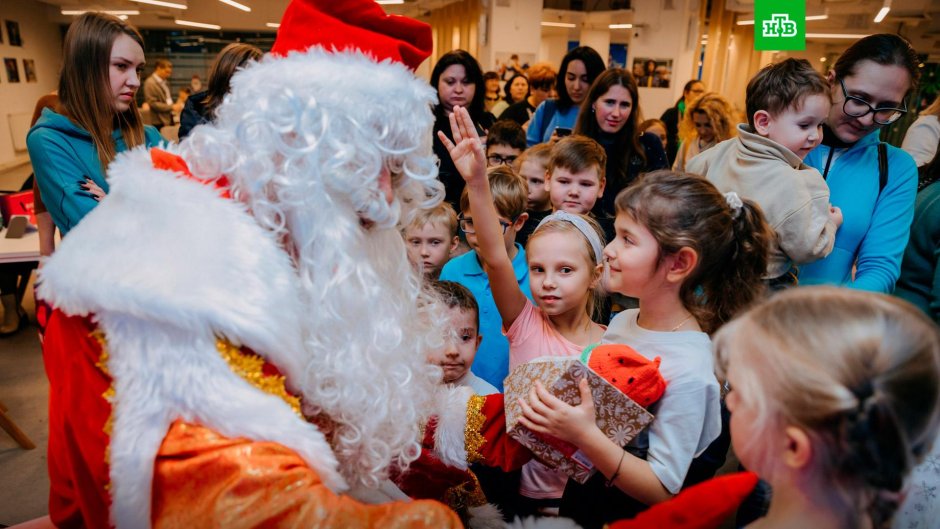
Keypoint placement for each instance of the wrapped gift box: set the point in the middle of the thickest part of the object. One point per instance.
(619, 417)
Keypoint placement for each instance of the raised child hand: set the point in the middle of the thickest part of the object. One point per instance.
(466, 150)
(545, 413)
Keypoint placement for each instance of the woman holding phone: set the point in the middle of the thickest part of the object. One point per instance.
(578, 70)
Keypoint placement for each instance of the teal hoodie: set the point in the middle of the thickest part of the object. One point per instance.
(63, 156)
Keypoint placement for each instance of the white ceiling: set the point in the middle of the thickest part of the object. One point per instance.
(918, 20)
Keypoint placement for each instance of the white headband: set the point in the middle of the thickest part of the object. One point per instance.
(582, 226)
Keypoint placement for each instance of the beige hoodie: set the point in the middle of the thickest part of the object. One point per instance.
(793, 196)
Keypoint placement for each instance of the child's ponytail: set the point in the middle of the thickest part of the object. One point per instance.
(735, 280)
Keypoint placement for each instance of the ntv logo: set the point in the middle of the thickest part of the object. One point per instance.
(779, 26)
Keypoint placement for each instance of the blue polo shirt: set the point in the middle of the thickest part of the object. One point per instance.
(492, 360)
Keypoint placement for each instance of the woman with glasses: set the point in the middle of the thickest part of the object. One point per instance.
(873, 183)
(541, 81)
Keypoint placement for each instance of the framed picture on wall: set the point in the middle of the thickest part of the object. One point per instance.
(13, 33)
(13, 71)
(652, 73)
(29, 70)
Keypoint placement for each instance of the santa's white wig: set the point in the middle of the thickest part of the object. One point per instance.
(303, 140)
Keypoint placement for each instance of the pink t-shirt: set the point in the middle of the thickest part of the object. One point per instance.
(532, 336)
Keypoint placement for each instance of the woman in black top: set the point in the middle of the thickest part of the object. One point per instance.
(608, 116)
(458, 78)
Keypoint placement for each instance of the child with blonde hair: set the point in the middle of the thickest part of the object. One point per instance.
(692, 257)
(834, 398)
(431, 238)
(564, 256)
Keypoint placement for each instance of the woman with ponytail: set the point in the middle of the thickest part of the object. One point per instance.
(693, 258)
(70, 147)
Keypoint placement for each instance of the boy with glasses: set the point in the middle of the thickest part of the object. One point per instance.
(787, 105)
(504, 143)
(509, 196)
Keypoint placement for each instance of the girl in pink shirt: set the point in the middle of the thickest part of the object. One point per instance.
(564, 255)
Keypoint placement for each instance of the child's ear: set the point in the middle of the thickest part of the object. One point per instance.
(600, 187)
(520, 221)
(548, 181)
(761, 122)
(798, 450)
(453, 245)
(479, 340)
(681, 264)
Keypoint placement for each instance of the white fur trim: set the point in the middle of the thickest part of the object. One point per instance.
(165, 266)
(450, 443)
(486, 516)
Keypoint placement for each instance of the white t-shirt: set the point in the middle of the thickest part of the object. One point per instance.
(477, 384)
(688, 416)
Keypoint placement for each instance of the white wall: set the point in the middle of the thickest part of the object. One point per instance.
(42, 42)
(665, 34)
(513, 28)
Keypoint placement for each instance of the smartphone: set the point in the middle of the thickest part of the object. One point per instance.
(561, 132)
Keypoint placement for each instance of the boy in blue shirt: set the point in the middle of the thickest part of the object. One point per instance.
(509, 195)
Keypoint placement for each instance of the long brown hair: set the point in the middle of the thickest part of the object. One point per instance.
(626, 141)
(683, 210)
(85, 86)
(230, 59)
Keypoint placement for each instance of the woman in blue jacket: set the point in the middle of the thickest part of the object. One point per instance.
(868, 86)
(579, 68)
(70, 148)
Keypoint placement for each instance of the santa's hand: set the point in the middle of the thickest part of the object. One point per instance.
(466, 150)
(545, 413)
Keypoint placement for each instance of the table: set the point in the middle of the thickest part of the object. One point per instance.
(22, 250)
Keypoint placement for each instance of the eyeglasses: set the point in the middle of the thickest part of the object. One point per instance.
(495, 159)
(466, 224)
(858, 107)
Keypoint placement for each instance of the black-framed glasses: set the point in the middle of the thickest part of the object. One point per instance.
(495, 159)
(858, 107)
(466, 224)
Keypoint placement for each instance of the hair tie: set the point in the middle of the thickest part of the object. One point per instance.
(582, 226)
(734, 202)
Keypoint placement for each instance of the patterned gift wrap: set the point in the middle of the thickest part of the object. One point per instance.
(619, 417)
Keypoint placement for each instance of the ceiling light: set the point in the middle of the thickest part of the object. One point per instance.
(620, 26)
(559, 25)
(836, 35)
(823, 16)
(389, 2)
(197, 24)
(116, 12)
(236, 5)
(883, 12)
(822, 59)
(161, 3)
(274, 25)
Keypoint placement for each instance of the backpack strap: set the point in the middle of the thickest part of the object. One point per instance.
(882, 167)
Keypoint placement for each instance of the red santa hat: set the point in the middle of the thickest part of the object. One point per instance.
(353, 25)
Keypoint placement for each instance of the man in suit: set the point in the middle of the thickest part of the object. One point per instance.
(158, 96)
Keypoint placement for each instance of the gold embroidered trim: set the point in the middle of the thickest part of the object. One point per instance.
(467, 494)
(472, 436)
(249, 367)
(108, 395)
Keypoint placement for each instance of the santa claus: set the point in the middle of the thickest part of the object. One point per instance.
(238, 338)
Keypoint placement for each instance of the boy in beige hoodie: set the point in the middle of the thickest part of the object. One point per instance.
(787, 103)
